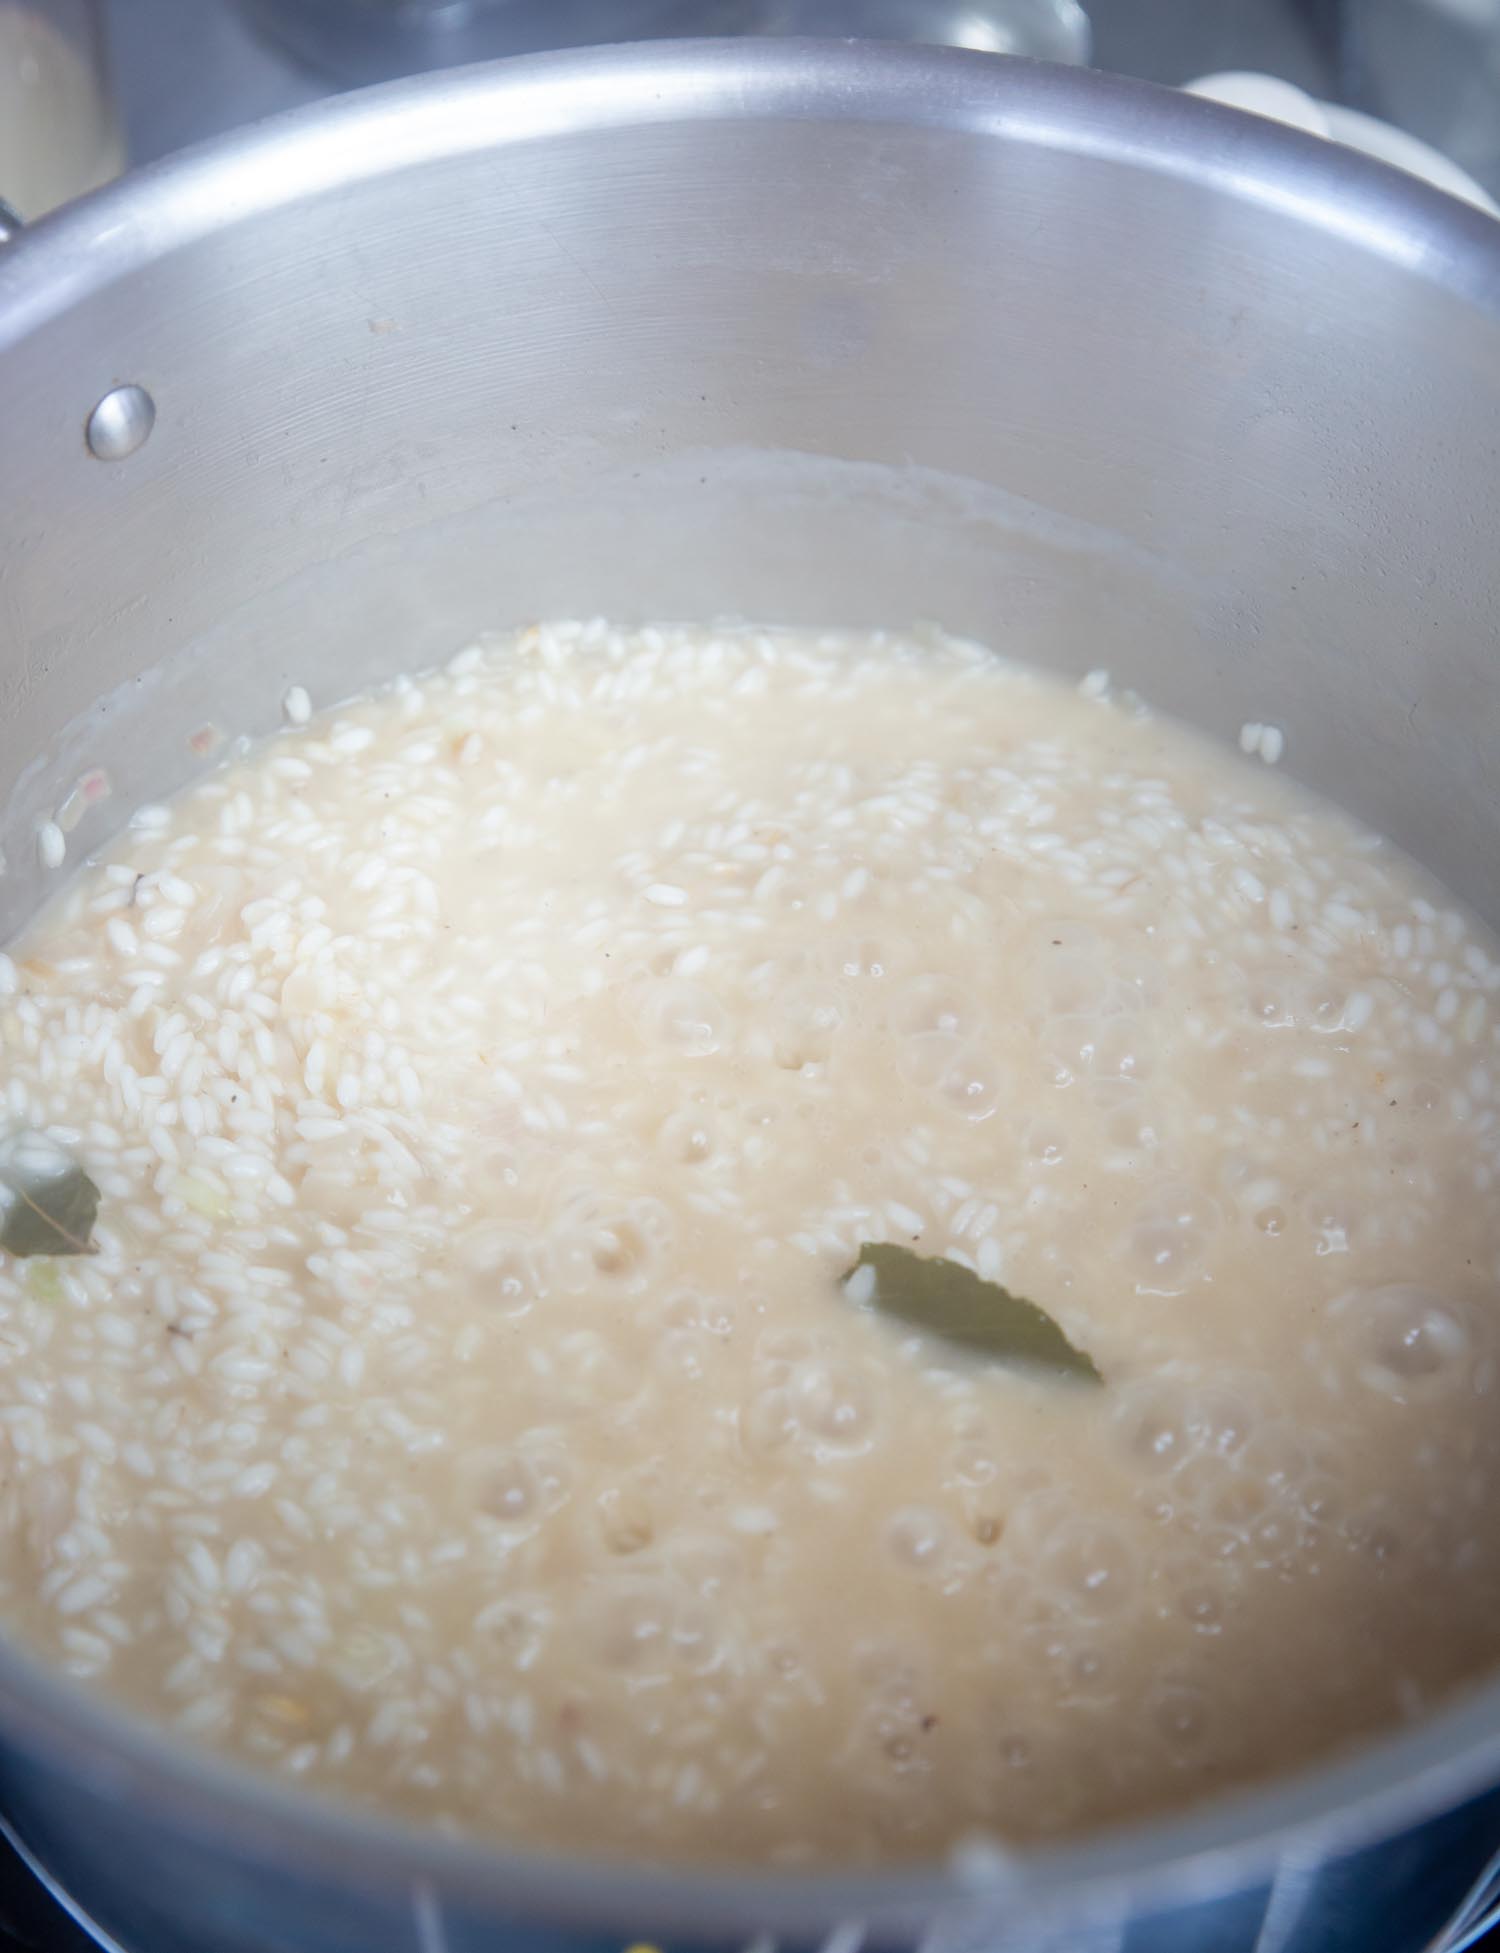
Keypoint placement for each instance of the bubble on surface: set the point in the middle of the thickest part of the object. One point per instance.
(1171, 1236)
(683, 1309)
(598, 1242)
(1069, 972)
(621, 1250)
(1155, 1424)
(1225, 1415)
(631, 1629)
(1076, 971)
(720, 1317)
(1276, 1539)
(696, 1636)
(1277, 1454)
(785, 1658)
(1222, 1544)
(865, 958)
(984, 1517)
(625, 1519)
(1202, 1605)
(1322, 1499)
(1179, 1714)
(933, 1006)
(682, 1354)
(973, 1084)
(1089, 1567)
(974, 1462)
(591, 1372)
(1372, 1532)
(689, 1137)
(1115, 1051)
(551, 1467)
(681, 1015)
(1129, 1126)
(507, 1270)
(917, 1536)
(767, 1421)
(508, 1489)
(517, 1627)
(832, 1403)
(888, 1748)
(1047, 1142)
(925, 1059)
(713, 1319)
(1086, 1671)
(779, 1351)
(1333, 1221)
(704, 1563)
(1239, 1501)
(807, 1021)
(1407, 1340)
(1158, 1505)
(364, 1658)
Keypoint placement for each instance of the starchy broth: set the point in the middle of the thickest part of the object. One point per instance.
(488, 1085)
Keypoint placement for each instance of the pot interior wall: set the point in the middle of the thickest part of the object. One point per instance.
(795, 368)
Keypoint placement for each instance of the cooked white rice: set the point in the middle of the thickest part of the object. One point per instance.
(488, 1084)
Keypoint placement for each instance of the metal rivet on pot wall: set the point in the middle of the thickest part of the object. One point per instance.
(120, 423)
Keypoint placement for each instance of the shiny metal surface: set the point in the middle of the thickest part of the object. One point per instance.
(10, 222)
(816, 333)
(120, 423)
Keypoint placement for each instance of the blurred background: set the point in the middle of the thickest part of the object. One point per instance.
(89, 85)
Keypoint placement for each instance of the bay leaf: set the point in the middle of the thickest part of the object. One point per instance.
(50, 1212)
(946, 1299)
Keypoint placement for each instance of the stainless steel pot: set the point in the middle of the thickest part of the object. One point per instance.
(1102, 374)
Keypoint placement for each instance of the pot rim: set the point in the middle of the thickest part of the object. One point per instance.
(63, 261)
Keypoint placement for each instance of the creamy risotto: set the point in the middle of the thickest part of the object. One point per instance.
(489, 1085)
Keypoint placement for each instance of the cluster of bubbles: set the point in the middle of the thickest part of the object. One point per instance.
(693, 1328)
(655, 1615)
(1245, 1489)
(592, 1240)
(1092, 1009)
(655, 1629)
(799, 1012)
(890, 1747)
